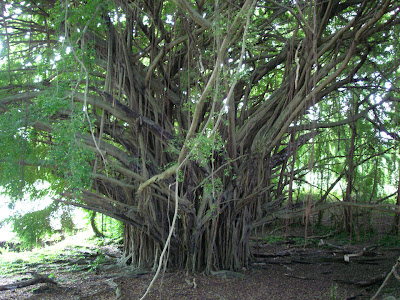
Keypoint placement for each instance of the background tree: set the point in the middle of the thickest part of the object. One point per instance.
(212, 109)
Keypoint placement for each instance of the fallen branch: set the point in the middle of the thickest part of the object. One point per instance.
(347, 256)
(37, 279)
(116, 287)
(359, 254)
(299, 277)
(364, 283)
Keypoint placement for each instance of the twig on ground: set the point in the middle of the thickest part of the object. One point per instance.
(393, 271)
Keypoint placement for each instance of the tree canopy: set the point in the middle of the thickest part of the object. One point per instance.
(210, 117)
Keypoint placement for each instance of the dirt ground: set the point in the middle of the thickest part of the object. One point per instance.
(279, 270)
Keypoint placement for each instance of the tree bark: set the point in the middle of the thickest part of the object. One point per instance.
(396, 221)
(348, 211)
(96, 231)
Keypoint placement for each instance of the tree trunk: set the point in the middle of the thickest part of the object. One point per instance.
(396, 221)
(348, 211)
(96, 231)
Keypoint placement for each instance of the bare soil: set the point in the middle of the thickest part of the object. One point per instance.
(279, 270)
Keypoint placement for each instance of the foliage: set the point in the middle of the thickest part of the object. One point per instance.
(33, 227)
(110, 227)
(389, 240)
(100, 260)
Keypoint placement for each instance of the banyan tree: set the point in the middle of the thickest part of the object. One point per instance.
(184, 119)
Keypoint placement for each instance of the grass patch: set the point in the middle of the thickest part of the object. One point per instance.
(389, 240)
(276, 239)
(72, 248)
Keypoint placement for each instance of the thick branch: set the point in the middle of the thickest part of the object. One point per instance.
(147, 123)
(193, 13)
